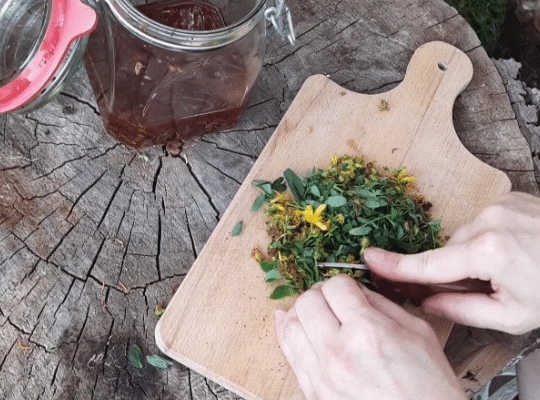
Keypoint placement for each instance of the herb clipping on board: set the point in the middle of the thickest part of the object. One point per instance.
(333, 216)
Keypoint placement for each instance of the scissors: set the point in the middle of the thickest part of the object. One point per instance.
(416, 292)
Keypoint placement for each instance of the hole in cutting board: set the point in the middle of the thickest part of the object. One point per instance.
(443, 66)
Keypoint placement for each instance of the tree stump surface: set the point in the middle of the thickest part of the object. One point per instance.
(94, 235)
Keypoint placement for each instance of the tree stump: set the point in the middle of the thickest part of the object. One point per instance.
(94, 235)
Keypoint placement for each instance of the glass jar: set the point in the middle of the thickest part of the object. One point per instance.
(169, 70)
(41, 45)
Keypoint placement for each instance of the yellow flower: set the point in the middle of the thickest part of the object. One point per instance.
(280, 198)
(365, 244)
(257, 254)
(279, 208)
(404, 178)
(346, 175)
(296, 217)
(334, 160)
(340, 219)
(315, 217)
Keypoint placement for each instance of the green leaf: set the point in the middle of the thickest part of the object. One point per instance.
(135, 356)
(435, 225)
(267, 188)
(360, 191)
(336, 201)
(237, 230)
(279, 185)
(273, 275)
(282, 291)
(158, 361)
(268, 266)
(296, 184)
(259, 182)
(259, 201)
(315, 191)
(360, 231)
(374, 203)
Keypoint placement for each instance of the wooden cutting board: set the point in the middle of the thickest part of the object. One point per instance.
(220, 322)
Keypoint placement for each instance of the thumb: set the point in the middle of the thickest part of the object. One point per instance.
(446, 264)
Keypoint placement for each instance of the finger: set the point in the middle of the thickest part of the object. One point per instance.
(446, 264)
(296, 348)
(478, 310)
(394, 311)
(462, 234)
(345, 298)
(319, 322)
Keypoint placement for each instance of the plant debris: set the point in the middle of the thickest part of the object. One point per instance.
(334, 214)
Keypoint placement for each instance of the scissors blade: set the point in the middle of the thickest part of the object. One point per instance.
(343, 265)
(467, 285)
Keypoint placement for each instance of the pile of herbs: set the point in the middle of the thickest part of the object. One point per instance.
(334, 215)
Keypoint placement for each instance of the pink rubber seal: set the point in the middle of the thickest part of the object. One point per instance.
(70, 20)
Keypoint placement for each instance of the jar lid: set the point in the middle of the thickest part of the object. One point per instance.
(32, 59)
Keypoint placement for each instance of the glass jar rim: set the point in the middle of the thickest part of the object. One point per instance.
(69, 20)
(30, 54)
(169, 38)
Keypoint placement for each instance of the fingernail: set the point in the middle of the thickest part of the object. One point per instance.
(373, 255)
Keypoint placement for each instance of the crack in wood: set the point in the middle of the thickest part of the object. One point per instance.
(109, 203)
(64, 237)
(159, 230)
(81, 101)
(193, 247)
(156, 175)
(201, 186)
(81, 195)
(126, 245)
(7, 353)
(310, 29)
(68, 292)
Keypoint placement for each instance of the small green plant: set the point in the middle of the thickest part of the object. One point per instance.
(136, 358)
(486, 17)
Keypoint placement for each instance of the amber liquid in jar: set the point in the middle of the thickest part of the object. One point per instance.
(149, 95)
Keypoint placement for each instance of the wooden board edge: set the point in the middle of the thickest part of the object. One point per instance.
(227, 384)
(474, 372)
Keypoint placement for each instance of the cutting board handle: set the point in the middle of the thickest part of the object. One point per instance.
(437, 73)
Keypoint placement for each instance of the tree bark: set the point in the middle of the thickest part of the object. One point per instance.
(94, 235)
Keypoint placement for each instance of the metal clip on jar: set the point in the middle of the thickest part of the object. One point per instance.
(41, 45)
(166, 71)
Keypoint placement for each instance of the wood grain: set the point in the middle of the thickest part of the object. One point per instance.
(81, 214)
(218, 322)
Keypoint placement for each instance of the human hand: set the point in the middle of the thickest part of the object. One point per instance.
(501, 245)
(344, 341)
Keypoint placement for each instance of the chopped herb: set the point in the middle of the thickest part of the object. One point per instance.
(383, 106)
(296, 184)
(158, 361)
(159, 310)
(135, 356)
(335, 214)
(237, 230)
(258, 203)
(282, 291)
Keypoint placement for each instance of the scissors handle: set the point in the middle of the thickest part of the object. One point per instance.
(417, 292)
